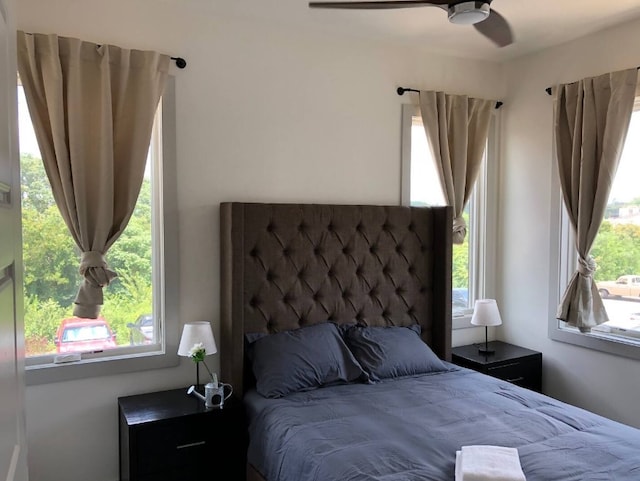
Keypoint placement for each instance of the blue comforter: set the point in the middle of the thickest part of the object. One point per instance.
(409, 429)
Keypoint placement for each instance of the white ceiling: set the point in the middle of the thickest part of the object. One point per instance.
(536, 24)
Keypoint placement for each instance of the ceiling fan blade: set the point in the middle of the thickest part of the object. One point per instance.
(379, 5)
(496, 29)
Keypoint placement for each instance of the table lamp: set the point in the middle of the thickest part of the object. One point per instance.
(197, 341)
(485, 313)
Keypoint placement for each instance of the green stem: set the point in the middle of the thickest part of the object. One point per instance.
(208, 370)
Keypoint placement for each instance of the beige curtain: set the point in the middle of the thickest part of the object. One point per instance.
(92, 108)
(457, 127)
(591, 121)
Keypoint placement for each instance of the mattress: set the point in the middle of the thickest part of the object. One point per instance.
(408, 429)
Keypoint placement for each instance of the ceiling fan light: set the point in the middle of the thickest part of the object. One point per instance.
(468, 13)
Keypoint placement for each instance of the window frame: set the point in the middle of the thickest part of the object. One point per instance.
(165, 259)
(483, 211)
(564, 260)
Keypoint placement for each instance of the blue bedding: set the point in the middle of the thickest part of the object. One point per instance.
(408, 429)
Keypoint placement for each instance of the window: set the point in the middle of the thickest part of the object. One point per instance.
(137, 328)
(616, 251)
(421, 186)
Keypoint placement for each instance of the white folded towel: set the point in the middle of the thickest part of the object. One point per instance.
(488, 463)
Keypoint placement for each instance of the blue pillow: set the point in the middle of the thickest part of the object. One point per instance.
(388, 352)
(302, 359)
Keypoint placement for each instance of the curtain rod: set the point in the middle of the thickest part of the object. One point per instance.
(548, 89)
(180, 62)
(402, 90)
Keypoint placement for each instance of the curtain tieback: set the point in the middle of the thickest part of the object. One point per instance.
(459, 230)
(586, 267)
(93, 267)
(91, 259)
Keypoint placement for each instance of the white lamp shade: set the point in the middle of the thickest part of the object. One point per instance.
(485, 313)
(194, 333)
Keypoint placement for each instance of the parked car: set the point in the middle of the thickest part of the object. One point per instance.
(623, 286)
(141, 331)
(460, 298)
(77, 334)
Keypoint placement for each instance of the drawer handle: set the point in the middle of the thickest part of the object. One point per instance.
(504, 365)
(191, 445)
(516, 379)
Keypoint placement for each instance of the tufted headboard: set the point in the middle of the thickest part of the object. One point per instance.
(284, 266)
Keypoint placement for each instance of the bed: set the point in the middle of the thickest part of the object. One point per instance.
(312, 295)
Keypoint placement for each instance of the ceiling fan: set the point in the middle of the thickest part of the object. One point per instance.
(479, 14)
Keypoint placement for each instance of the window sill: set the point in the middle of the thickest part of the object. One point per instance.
(462, 321)
(102, 366)
(599, 341)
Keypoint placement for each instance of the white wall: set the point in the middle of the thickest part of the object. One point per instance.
(600, 382)
(264, 113)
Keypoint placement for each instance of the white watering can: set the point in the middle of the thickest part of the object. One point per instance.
(213, 394)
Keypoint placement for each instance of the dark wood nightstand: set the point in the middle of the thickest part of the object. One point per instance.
(515, 364)
(171, 436)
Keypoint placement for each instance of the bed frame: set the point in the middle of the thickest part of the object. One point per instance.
(284, 266)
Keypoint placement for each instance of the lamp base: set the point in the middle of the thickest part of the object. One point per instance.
(486, 351)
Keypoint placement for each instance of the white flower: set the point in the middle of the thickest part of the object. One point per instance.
(198, 348)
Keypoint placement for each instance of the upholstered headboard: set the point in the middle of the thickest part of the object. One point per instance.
(284, 266)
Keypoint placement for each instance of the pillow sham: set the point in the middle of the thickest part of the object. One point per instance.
(388, 352)
(302, 359)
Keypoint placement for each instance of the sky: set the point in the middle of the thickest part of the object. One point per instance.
(423, 169)
(28, 142)
(626, 185)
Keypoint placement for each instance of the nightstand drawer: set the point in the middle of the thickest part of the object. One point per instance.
(172, 444)
(515, 372)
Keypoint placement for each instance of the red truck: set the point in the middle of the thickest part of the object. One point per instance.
(77, 334)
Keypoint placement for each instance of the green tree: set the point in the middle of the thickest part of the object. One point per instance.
(41, 321)
(460, 273)
(130, 255)
(36, 189)
(134, 299)
(616, 250)
(50, 256)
